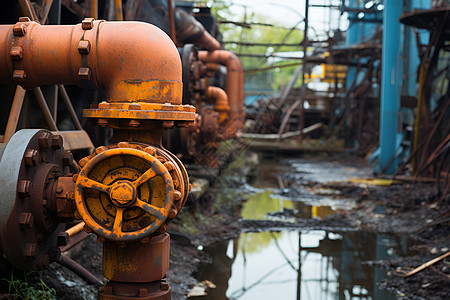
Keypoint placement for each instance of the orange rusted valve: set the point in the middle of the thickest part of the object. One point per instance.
(125, 194)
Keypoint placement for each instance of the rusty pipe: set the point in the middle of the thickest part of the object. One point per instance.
(94, 9)
(220, 98)
(189, 30)
(234, 85)
(132, 61)
(118, 10)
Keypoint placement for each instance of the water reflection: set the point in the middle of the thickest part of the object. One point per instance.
(300, 265)
(266, 205)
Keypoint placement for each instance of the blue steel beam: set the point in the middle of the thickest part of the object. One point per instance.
(390, 86)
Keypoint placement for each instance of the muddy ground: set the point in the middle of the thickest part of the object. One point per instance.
(403, 208)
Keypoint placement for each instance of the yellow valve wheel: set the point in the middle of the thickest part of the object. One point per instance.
(124, 194)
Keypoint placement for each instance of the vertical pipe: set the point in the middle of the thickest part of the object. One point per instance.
(118, 10)
(305, 62)
(172, 22)
(94, 9)
(390, 88)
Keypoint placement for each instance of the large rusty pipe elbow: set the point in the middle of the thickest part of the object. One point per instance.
(234, 85)
(220, 98)
(132, 61)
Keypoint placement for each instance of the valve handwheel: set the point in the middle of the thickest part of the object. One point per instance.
(124, 194)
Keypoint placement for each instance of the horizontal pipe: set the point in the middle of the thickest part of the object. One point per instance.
(79, 270)
(234, 85)
(132, 61)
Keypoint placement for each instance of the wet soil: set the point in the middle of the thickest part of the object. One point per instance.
(407, 209)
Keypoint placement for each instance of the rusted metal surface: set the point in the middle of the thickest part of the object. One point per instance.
(149, 262)
(156, 290)
(220, 100)
(141, 111)
(30, 165)
(234, 87)
(75, 139)
(125, 61)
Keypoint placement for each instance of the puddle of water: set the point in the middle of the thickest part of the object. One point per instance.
(299, 265)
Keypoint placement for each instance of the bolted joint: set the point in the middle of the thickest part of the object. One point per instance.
(168, 124)
(87, 23)
(24, 19)
(134, 123)
(63, 239)
(164, 286)
(30, 250)
(26, 221)
(57, 142)
(32, 157)
(84, 73)
(84, 47)
(44, 140)
(19, 29)
(67, 158)
(104, 105)
(19, 76)
(24, 188)
(16, 53)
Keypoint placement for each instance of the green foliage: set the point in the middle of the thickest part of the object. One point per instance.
(258, 34)
(22, 289)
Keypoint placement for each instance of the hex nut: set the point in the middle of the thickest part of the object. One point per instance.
(84, 47)
(102, 122)
(164, 286)
(134, 123)
(84, 73)
(23, 188)
(104, 105)
(63, 239)
(19, 76)
(169, 166)
(87, 23)
(24, 19)
(26, 221)
(100, 149)
(67, 158)
(150, 150)
(57, 142)
(16, 53)
(19, 29)
(44, 141)
(168, 124)
(134, 106)
(30, 250)
(177, 195)
(31, 157)
(163, 228)
(173, 213)
(123, 145)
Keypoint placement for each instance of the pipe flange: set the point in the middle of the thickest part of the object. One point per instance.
(141, 115)
(30, 165)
